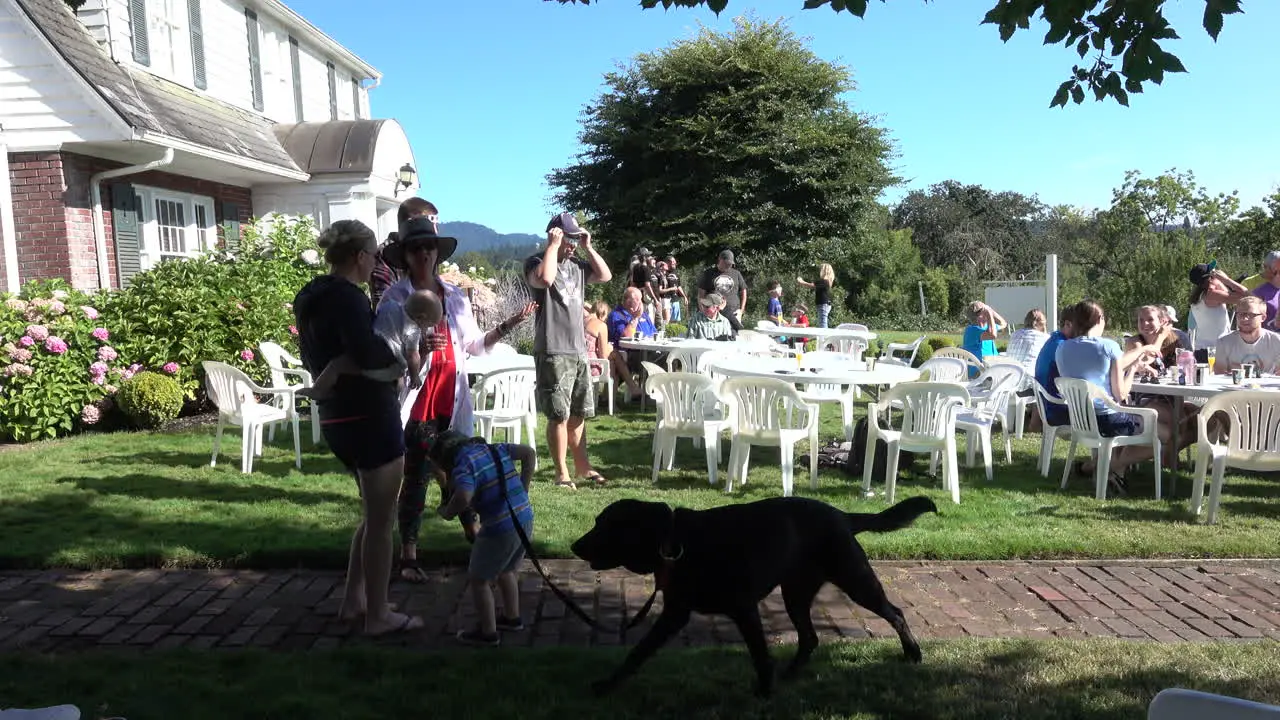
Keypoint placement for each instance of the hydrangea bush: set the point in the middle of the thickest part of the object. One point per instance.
(59, 365)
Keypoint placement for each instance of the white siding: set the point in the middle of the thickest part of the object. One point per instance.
(42, 102)
(315, 86)
(226, 52)
(103, 16)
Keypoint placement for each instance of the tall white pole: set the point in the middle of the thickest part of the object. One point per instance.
(1051, 291)
(8, 228)
(923, 310)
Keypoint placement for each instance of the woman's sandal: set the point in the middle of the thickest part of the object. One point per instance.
(408, 624)
(595, 478)
(411, 571)
(566, 483)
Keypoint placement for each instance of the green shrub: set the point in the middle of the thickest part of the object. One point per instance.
(150, 399)
(676, 329)
(59, 369)
(931, 345)
(909, 322)
(220, 306)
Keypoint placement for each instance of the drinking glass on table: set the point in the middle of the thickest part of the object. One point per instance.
(1212, 352)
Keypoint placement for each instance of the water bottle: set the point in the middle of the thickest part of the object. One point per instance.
(1186, 366)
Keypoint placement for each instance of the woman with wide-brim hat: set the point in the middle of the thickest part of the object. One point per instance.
(444, 400)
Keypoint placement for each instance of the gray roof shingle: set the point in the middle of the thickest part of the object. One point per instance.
(151, 103)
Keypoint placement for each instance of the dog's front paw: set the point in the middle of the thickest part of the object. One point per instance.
(913, 654)
(603, 687)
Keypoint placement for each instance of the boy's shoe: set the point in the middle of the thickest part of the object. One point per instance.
(475, 637)
(515, 624)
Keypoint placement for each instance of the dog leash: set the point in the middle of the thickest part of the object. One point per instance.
(533, 557)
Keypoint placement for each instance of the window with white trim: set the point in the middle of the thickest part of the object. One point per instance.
(175, 225)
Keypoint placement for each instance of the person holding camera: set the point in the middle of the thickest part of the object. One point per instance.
(558, 278)
(483, 477)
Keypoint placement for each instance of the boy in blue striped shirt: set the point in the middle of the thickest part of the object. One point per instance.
(484, 478)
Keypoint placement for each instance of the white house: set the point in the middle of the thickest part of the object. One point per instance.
(132, 131)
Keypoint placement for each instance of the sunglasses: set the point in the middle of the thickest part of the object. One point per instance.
(1252, 315)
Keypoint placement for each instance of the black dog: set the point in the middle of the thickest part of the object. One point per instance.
(727, 559)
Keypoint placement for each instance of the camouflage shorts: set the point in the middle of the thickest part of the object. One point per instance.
(564, 387)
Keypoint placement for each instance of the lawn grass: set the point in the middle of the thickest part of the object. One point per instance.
(959, 679)
(151, 500)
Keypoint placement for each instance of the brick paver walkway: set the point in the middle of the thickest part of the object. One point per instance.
(69, 610)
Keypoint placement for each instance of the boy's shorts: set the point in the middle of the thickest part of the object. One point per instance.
(493, 555)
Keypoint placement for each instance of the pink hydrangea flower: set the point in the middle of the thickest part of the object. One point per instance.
(134, 368)
(107, 354)
(98, 379)
(293, 329)
(89, 312)
(110, 390)
(32, 314)
(57, 307)
(20, 355)
(21, 369)
(246, 355)
(125, 375)
(169, 367)
(101, 334)
(16, 304)
(55, 345)
(98, 369)
(26, 341)
(90, 415)
(39, 333)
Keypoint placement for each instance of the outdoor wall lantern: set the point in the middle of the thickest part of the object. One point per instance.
(408, 176)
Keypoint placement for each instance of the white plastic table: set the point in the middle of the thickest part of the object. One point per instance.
(485, 364)
(1216, 385)
(819, 333)
(835, 373)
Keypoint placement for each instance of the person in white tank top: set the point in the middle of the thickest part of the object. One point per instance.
(1209, 320)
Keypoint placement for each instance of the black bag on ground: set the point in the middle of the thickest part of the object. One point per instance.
(858, 454)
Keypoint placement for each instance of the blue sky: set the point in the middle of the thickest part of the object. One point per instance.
(490, 91)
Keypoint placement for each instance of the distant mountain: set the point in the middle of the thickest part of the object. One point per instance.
(474, 236)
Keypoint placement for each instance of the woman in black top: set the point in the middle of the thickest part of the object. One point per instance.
(821, 292)
(361, 419)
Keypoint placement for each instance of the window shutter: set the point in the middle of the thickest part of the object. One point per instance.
(197, 44)
(333, 91)
(138, 29)
(355, 98)
(296, 62)
(126, 231)
(230, 227)
(255, 58)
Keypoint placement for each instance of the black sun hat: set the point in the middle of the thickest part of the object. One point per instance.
(417, 233)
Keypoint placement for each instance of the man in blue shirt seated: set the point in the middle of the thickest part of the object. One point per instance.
(980, 337)
(1047, 366)
(629, 320)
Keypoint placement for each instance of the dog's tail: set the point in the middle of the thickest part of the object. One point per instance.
(894, 518)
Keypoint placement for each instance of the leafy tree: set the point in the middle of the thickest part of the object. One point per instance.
(1132, 27)
(1256, 232)
(736, 140)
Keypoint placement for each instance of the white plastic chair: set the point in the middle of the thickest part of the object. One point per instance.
(990, 407)
(1079, 396)
(1180, 704)
(755, 340)
(688, 408)
(818, 395)
(945, 369)
(1252, 442)
(971, 360)
(769, 412)
(235, 394)
(765, 324)
(282, 365)
(890, 351)
(650, 369)
(928, 424)
(504, 399)
(604, 378)
(1049, 433)
(503, 349)
(683, 359)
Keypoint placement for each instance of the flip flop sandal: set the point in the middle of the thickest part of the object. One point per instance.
(409, 624)
(596, 479)
(566, 483)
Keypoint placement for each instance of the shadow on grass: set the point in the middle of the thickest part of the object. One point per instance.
(160, 487)
(959, 680)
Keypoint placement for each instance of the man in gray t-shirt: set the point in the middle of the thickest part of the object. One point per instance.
(557, 279)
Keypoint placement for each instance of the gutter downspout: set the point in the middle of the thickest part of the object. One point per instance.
(7, 225)
(99, 224)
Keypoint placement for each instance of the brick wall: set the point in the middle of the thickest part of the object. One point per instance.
(53, 212)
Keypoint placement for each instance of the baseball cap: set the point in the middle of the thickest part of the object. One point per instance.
(643, 252)
(567, 223)
(711, 300)
(1199, 274)
(727, 256)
